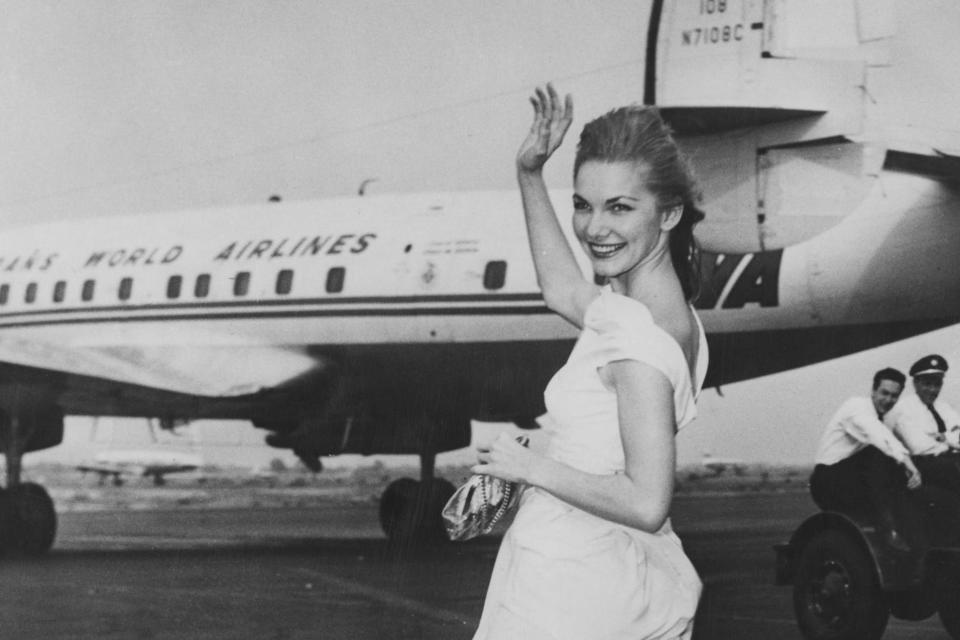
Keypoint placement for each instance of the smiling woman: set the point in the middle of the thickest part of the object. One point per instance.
(591, 553)
(630, 157)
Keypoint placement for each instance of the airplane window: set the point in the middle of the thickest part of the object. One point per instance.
(4, 293)
(241, 284)
(285, 281)
(335, 279)
(31, 293)
(59, 291)
(126, 288)
(202, 288)
(173, 287)
(87, 294)
(495, 275)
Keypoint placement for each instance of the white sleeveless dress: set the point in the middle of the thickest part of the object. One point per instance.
(563, 573)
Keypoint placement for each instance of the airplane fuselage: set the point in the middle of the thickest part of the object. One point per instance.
(430, 297)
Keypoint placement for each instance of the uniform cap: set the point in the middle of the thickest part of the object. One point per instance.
(929, 365)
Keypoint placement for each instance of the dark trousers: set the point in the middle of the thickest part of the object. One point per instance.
(939, 496)
(941, 471)
(868, 485)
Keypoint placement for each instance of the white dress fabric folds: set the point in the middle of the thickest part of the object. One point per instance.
(563, 573)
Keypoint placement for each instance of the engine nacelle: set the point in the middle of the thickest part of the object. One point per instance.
(39, 420)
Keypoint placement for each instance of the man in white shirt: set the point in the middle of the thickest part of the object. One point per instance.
(928, 426)
(861, 467)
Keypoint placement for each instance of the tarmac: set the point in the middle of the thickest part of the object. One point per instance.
(324, 570)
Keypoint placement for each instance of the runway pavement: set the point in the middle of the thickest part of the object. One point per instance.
(326, 572)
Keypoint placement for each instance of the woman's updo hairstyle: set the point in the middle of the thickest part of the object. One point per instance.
(638, 134)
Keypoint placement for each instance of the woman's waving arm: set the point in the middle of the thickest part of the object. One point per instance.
(564, 288)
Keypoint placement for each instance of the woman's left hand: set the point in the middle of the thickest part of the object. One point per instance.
(506, 459)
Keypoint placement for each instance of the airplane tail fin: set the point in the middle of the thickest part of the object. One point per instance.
(720, 64)
(770, 98)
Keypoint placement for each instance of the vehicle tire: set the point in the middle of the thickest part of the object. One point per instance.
(912, 605)
(836, 592)
(34, 519)
(410, 512)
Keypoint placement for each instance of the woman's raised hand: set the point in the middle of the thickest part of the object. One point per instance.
(551, 119)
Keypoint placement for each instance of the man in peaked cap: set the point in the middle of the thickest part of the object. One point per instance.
(930, 429)
(928, 426)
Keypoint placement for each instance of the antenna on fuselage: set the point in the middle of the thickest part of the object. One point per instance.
(363, 186)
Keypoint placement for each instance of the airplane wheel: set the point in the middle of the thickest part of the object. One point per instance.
(34, 519)
(836, 594)
(410, 515)
(396, 508)
(7, 517)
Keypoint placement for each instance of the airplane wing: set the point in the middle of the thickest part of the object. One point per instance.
(145, 357)
(102, 468)
(146, 470)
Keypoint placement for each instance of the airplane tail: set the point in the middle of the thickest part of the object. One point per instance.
(751, 62)
(785, 82)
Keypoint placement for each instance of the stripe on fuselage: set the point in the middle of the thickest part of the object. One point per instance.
(730, 281)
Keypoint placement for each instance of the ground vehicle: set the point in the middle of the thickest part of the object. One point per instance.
(847, 581)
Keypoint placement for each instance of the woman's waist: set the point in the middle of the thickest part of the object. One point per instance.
(545, 517)
(590, 456)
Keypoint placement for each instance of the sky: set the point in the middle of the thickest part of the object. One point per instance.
(123, 107)
(115, 107)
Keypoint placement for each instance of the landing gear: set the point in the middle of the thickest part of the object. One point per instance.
(29, 420)
(34, 519)
(410, 509)
(7, 524)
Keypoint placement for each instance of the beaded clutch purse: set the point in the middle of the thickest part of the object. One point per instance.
(479, 504)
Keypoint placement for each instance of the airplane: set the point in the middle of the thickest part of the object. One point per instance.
(718, 465)
(384, 324)
(146, 463)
